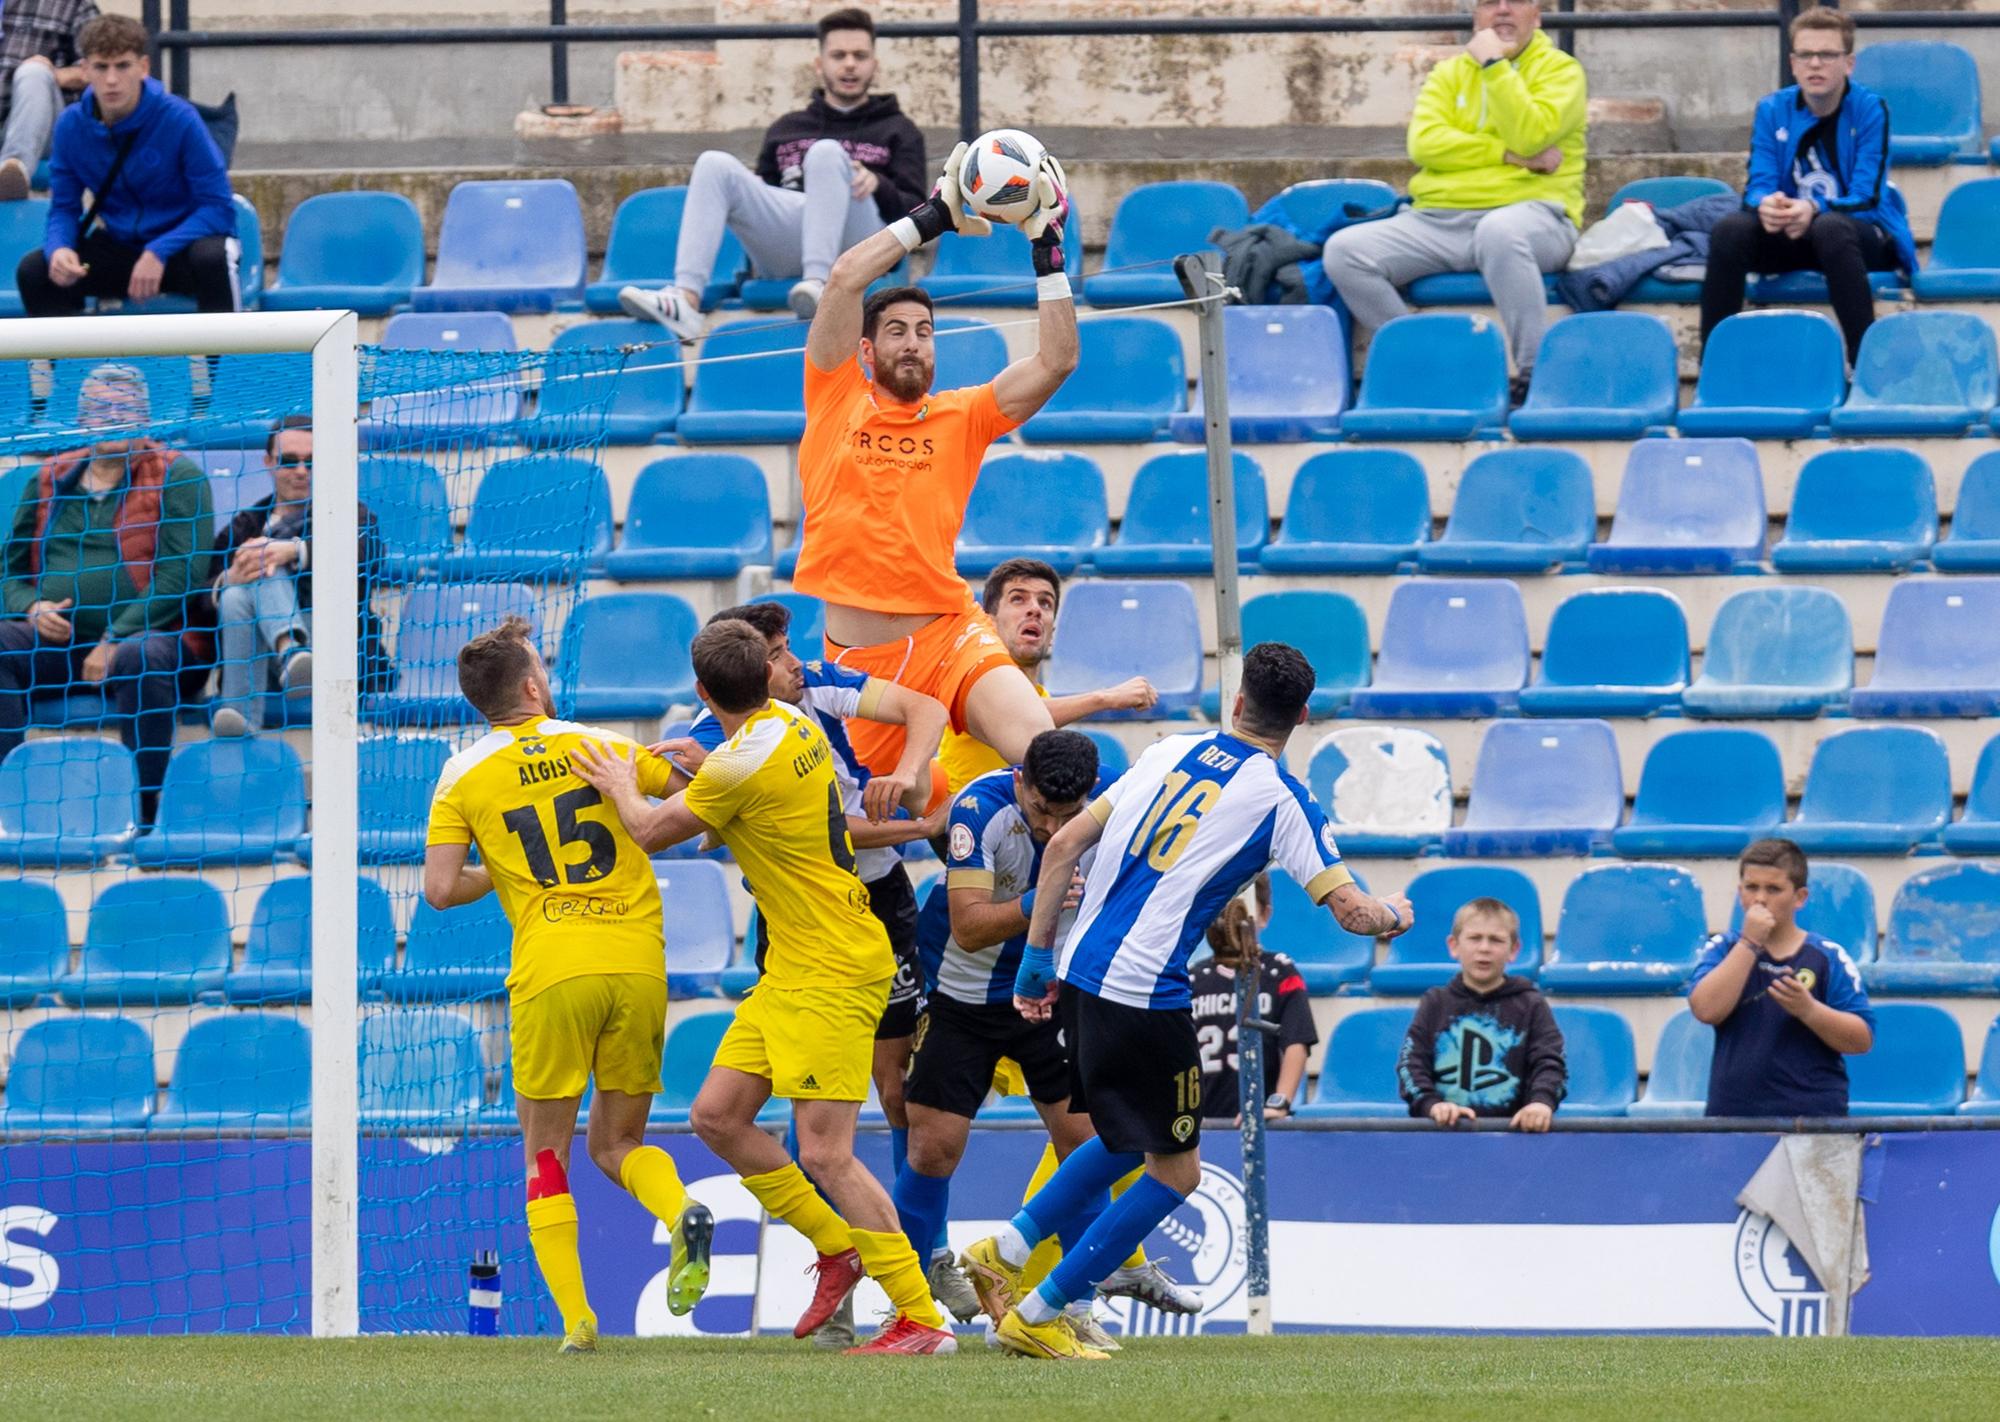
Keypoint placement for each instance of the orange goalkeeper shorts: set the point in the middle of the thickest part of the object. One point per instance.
(944, 659)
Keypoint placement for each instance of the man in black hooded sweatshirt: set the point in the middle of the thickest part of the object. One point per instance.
(1484, 1044)
(828, 175)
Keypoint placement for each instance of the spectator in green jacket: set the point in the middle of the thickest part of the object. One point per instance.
(1498, 140)
(107, 546)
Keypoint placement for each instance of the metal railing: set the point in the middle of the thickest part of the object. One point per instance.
(176, 41)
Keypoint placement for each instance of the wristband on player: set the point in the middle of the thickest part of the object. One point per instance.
(927, 221)
(1038, 965)
(1027, 905)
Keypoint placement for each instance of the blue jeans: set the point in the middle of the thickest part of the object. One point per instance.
(250, 618)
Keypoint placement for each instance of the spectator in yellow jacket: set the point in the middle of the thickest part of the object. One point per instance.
(1498, 140)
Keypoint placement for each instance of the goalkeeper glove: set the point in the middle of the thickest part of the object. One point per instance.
(1051, 195)
(948, 196)
(1038, 968)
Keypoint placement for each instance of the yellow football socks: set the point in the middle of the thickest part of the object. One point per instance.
(1048, 1253)
(552, 1235)
(649, 1174)
(787, 1195)
(891, 1263)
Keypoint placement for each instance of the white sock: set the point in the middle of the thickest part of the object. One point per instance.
(1014, 1246)
(1036, 1309)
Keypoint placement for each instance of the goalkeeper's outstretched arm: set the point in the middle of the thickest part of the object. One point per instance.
(836, 325)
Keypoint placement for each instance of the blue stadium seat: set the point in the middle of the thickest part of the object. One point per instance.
(1809, 288)
(1420, 960)
(1165, 529)
(1973, 545)
(508, 245)
(1939, 650)
(1704, 793)
(690, 1050)
(1922, 373)
(249, 1070)
(808, 636)
(454, 955)
(34, 953)
(968, 353)
(1669, 190)
(1874, 790)
(1932, 88)
(538, 518)
(67, 801)
(1602, 375)
(1432, 376)
(237, 479)
(695, 516)
(1916, 1066)
(480, 404)
(625, 656)
(1154, 223)
(753, 401)
(1627, 928)
(1859, 510)
(80, 1074)
(277, 958)
(151, 941)
(1449, 647)
(645, 231)
(401, 772)
(457, 332)
(1035, 504)
(1328, 956)
(1112, 759)
(1964, 261)
(1677, 1086)
(1611, 652)
(1109, 632)
(1541, 787)
(1386, 789)
(226, 801)
(995, 270)
(1329, 627)
(1686, 506)
(1783, 651)
(1461, 289)
(1840, 907)
(1333, 202)
(1602, 1059)
(22, 225)
(1985, 1098)
(1353, 511)
(420, 1065)
(1357, 1074)
(412, 516)
(1977, 831)
(1944, 934)
(1288, 378)
(1129, 380)
(701, 932)
(436, 620)
(1769, 375)
(250, 393)
(586, 397)
(742, 973)
(364, 251)
(1518, 510)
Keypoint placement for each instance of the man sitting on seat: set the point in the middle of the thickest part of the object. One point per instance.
(1498, 140)
(1818, 198)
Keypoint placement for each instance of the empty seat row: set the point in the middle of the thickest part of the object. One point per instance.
(1915, 1068)
(164, 941)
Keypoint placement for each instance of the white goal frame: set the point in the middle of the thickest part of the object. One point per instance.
(329, 337)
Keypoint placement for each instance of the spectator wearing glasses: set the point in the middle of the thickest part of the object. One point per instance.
(1818, 198)
(263, 591)
(1498, 138)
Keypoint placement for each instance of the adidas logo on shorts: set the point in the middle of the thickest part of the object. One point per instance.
(811, 1083)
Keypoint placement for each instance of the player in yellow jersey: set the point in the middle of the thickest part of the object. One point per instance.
(588, 983)
(806, 1032)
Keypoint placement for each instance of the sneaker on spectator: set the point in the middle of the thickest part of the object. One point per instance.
(13, 180)
(228, 721)
(665, 306)
(804, 296)
(295, 671)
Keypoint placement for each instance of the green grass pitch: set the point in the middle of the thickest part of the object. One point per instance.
(1154, 1380)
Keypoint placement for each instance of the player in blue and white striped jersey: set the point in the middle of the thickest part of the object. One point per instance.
(1182, 833)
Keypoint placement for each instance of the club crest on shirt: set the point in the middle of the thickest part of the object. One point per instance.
(1807, 978)
(961, 841)
(1326, 839)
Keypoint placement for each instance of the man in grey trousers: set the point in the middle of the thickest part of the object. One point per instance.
(39, 58)
(830, 174)
(1498, 139)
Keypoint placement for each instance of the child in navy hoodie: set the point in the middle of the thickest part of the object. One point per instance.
(1484, 1044)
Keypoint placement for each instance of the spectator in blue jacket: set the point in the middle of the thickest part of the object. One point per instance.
(161, 216)
(1818, 198)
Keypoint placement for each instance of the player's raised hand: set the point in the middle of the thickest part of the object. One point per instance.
(883, 794)
(684, 751)
(605, 768)
(1051, 207)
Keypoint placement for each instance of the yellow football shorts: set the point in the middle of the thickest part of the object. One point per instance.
(810, 1043)
(609, 1025)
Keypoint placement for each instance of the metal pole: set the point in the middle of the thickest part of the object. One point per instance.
(558, 55)
(183, 59)
(1200, 275)
(1788, 11)
(1250, 1104)
(968, 70)
(149, 16)
(1566, 35)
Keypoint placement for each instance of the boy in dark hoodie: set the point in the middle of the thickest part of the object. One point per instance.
(1484, 1044)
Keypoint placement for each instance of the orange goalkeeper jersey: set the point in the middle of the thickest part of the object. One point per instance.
(886, 486)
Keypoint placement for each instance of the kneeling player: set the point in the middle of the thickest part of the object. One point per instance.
(1185, 830)
(587, 987)
(806, 1033)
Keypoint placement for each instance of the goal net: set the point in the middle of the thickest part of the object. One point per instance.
(248, 1080)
